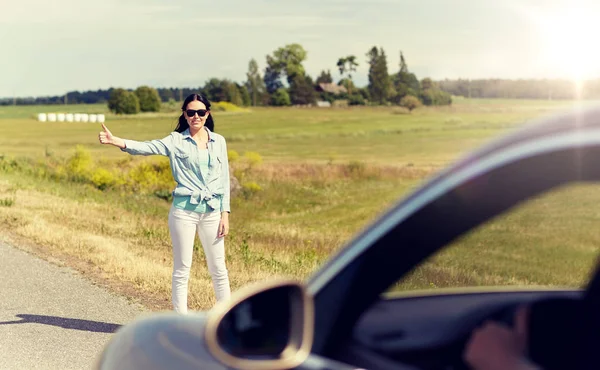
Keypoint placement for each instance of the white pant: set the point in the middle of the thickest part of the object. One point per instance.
(183, 226)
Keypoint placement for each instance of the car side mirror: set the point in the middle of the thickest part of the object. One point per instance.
(265, 326)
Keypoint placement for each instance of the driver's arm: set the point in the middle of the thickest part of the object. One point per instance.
(495, 346)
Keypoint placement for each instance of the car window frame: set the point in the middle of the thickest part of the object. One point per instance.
(538, 158)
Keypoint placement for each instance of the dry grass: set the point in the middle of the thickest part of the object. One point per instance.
(127, 248)
(321, 181)
(114, 246)
(300, 172)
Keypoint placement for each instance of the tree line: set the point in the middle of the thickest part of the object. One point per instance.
(283, 82)
(522, 88)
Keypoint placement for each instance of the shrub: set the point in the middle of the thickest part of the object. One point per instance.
(410, 102)
(435, 96)
(103, 179)
(250, 188)
(78, 166)
(254, 159)
(148, 98)
(281, 98)
(122, 101)
(232, 155)
(149, 177)
(356, 99)
(225, 106)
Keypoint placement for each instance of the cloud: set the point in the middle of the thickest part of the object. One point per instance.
(284, 21)
(52, 47)
(72, 12)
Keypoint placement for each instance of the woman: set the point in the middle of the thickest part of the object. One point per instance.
(200, 167)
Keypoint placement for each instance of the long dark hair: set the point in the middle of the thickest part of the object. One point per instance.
(183, 125)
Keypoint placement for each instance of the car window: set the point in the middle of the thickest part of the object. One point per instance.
(550, 240)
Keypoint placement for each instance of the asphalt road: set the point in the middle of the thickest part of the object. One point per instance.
(51, 317)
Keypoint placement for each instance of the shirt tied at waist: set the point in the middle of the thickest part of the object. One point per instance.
(196, 196)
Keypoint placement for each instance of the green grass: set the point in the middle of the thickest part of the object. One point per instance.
(30, 112)
(325, 176)
(550, 240)
(378, 135)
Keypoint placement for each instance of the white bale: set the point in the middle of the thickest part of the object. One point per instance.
(52, 117)
(85, 117)
(69, 117)
(77, 117)
(42, 117)
(93, 117)
(101, 118)
(60, 117)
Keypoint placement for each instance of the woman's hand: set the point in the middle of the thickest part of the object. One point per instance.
(106, 137)
(223, 225)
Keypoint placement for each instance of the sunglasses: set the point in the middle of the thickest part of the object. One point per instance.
(191, 112)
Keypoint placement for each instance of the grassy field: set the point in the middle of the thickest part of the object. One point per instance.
(322, 175)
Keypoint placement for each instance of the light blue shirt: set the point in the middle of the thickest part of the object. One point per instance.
(183, 202)
(199, 183)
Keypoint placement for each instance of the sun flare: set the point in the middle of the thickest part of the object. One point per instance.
(567, 40)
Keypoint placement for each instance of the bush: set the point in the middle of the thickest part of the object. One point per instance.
(281, 98)
(232, 155)
(148, 98)
(246, 164)
(254, 159)
(435, 96)
(103, 179)
(78, 166)
(250, 188)
(149, 177)
(410, 102)
(122, 101)
(224, 106)
(356, 99)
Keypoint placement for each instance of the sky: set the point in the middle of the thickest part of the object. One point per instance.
(51, 47)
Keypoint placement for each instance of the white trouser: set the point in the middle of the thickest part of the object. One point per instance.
(183, 226)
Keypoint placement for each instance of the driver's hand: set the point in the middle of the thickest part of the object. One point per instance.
(494, 346)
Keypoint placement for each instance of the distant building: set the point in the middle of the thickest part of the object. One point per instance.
(331, 88)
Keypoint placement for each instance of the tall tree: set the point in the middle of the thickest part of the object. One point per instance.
(403, 66)
(324, 77)
(302, 91)
(379, 79)
(287, 61)
(405, 83)
(254, 83)
(232, 92)
(272, 76)
(347, 65)
(246, 99)
(214, 90)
